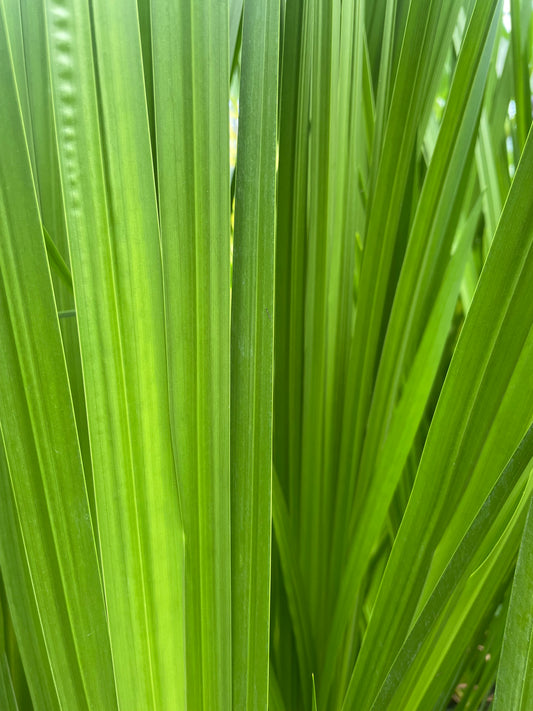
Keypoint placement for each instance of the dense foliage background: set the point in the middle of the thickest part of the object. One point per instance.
(266, 402)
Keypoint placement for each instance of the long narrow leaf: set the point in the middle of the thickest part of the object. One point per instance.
(514, 684)
(191, 83)
(111, 215)
(42, 468)
(252, 332)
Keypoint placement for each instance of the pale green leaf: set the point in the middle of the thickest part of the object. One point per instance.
(113, 236)
(190, 44)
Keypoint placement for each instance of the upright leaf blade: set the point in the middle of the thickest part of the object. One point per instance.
(252, 332)
(8, 700)
(21, 598)
(112, 227)
(514, 683)
(42, 473)
(191, 84)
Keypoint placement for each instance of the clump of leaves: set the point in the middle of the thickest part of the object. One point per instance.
(266, 433)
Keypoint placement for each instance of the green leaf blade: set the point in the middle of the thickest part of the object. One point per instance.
(252, 355)
(111, 215)
(514, 683)
(191, 85)
(48, 505)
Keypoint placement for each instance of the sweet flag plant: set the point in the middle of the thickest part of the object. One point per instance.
(266, 421)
